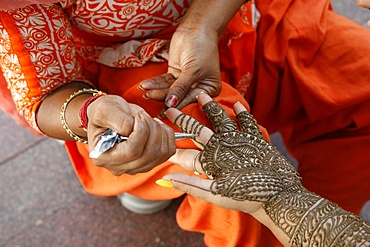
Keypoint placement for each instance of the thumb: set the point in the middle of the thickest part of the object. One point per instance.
(187, 159)
(192, 185)
(201, 188)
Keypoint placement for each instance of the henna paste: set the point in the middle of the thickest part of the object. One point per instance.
(188, 124)
(245, 166)
(218, 117)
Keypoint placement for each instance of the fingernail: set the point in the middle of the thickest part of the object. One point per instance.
(144, 85)
(145, 96)
(162, 116)
(164, 183)
(172, 101)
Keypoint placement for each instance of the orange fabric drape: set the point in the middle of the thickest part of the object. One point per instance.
(222, 227)
(312, 83)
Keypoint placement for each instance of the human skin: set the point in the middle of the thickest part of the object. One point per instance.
(206, 26)
(247, 173)
(133, 156)
(365, 4)
(193, 57)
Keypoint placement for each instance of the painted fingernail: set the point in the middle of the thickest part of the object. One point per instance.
(164, 183)
(172, 101)
(145, 96)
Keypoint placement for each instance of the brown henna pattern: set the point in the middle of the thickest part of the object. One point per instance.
(310, 220)
(189, 125)
(248, 125)
(218, 117)
(245, 166)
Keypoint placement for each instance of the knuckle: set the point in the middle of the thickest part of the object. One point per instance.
(117, 173)
(197, 72)
(97, 163)
(127, 125)
(132, 172)
(181, 89)
(133, 153)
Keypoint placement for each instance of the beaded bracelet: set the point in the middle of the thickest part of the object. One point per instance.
(64, 107)
(83, 110)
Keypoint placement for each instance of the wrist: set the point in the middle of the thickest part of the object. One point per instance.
(304, 217)
(70, 110)
(215, 19)
(83, 110)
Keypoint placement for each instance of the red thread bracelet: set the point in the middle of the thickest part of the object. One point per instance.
(83, 110)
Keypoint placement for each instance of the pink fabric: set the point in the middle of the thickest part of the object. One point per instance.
(15, 4)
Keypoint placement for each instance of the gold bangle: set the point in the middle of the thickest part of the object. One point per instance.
(64, 107)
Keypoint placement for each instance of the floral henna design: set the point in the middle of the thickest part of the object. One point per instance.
(218, 117)
(245, 166)
(248, 124)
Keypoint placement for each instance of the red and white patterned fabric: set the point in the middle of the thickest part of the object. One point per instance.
(40, 45)
(16, 4)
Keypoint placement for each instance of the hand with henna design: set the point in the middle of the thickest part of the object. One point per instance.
(247, 173)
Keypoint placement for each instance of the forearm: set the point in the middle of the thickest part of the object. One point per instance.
(248, 174)
(210, 15)
(48, 116)
(298, 217)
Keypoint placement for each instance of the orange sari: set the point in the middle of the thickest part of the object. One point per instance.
(96, 48)
(312, 84)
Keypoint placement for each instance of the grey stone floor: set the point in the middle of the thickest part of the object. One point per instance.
(43, 204)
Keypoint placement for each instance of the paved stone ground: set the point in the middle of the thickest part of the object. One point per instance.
(42, 202)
